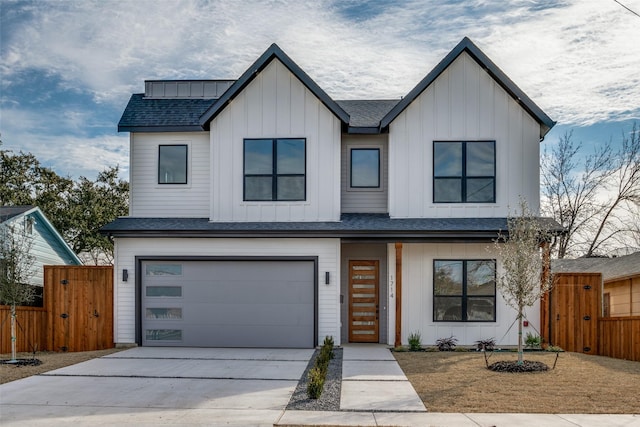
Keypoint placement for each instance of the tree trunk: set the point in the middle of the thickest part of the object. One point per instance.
(13, 334)
(520, 355)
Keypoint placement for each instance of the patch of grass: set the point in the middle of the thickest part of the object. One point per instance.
(460, 382)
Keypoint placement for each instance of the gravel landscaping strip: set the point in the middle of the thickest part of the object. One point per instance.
(330, 398)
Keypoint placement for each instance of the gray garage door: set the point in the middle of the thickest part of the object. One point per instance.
(228, 303)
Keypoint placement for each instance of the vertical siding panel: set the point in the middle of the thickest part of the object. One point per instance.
(443, 106)
(284, 81)
(269, 100)
(471, 99)
(276, 105)
(457, 99)
(467, 104)
(416, 178)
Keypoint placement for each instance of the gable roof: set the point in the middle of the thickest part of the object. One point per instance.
(13, 213)
(611, 268)
(274, 52)
(466, 45)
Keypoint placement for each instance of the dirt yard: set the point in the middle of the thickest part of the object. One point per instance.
(50, 361)
(460, 382)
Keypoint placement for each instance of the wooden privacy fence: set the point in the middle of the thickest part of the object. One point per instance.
(77, 313)
(576, 323)
(31, 331)
(619, 337)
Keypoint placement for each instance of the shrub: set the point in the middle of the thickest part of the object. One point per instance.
(532, 341)
(446, 344)
(316, 382)
(318, 373)
(415, 343)
(486, 345)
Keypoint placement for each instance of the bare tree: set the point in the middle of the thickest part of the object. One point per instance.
(521, 281)
(593, 197)
(17, 268)
(625, 185)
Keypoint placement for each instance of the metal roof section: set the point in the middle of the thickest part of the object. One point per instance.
(351, 226)
(365, 115)
(274, 52)
(466, 45)
(206, 89)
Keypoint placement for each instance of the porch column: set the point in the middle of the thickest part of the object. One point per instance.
(398, 339)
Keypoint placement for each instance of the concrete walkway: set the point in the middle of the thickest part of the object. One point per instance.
(238, 387)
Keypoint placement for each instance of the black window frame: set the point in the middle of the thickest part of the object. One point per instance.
(464, 296)
(351, 150)
(463, 177)
(274, 172)
(186, 164)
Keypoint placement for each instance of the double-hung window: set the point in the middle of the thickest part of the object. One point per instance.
(365, 168)
(464, 172)
(464, 290)
(275, 169)
(172, 164)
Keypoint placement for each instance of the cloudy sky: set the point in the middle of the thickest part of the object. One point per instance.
(68, 67)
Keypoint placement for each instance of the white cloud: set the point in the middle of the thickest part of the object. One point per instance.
(577, 59)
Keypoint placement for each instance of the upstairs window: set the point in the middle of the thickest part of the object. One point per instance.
(275, 169)
(365, 168)
(172, 164)
(464, 172)
(464, 290)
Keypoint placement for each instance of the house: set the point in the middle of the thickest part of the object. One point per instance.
(620, 277)
(48, 247)
(265, 213)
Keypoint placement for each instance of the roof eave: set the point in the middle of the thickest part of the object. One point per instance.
(168, 128)
(363, 130)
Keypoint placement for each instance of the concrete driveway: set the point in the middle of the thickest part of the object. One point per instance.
(156, 386)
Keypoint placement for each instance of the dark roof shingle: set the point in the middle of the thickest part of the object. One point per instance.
(166, 114)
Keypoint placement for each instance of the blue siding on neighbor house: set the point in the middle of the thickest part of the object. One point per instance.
(48, 246)
(48, 250)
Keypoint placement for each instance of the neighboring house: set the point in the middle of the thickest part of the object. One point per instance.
(265, 213)
(620, 277)
(48, 246)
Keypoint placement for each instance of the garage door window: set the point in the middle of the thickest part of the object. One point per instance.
(164, 291)
(163, 270)
(163, 335)
(164, 313)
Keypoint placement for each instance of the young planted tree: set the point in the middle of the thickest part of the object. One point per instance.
(17, 267)
(521, 281)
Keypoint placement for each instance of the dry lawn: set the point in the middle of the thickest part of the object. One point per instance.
(460, 382)
(50, 361)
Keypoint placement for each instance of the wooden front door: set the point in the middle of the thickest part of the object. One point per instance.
(363, 301)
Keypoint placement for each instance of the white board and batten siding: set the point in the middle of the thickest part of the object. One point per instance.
(417, 298)
(463, 104)
(327, 251)
(151, 199)
(364, 200)
(275, 105)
